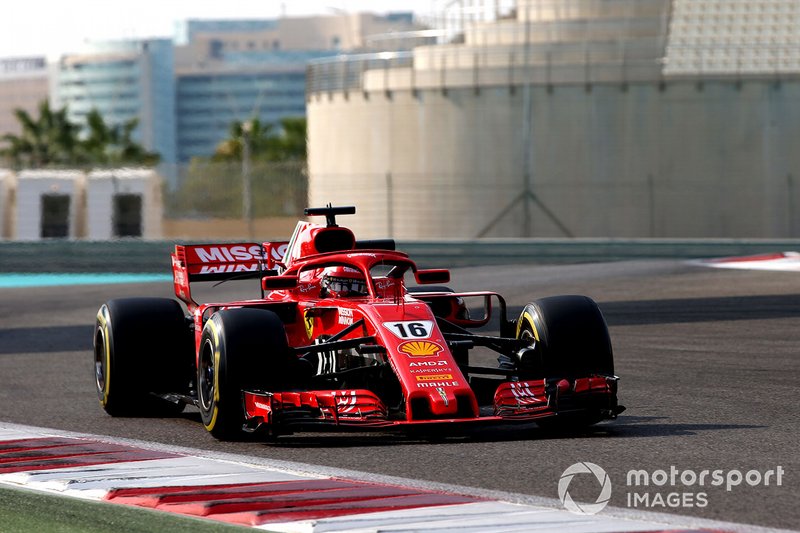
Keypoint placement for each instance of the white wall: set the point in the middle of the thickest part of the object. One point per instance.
(687, 159)
(101, 186)
(91, 201)
(6, 177)
(31, 186)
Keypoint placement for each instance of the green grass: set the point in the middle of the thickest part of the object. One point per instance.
(25, 511)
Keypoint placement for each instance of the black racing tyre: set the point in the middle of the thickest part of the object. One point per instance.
(142, 347)
(239, 349)
(571, 336)
(572, 341)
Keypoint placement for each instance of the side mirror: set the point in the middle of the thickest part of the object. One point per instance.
(432, 276)
(277, 283)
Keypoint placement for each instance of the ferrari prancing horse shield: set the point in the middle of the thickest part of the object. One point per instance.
(308, 320)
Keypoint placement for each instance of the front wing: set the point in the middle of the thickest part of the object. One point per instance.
(514, 401)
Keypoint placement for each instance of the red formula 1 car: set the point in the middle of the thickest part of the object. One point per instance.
(337, 340)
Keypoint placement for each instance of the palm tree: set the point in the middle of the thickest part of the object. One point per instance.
(98, 138)
(114, 144)
(258, 134)
(291, 142)
(49, 139)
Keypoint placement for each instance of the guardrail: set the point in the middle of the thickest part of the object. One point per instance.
(153, 256)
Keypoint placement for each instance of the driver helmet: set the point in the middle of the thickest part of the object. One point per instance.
(341, 281)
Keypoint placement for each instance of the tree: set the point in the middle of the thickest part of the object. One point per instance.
(288, 144)
(49, 139)
(278, 184)
(291, 142)
(232, 148)
(114, 145)
(52, 140)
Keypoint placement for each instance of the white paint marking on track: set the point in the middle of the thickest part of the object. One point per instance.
(180, 471)
(497, 512)
(779, 262)
(477, 517)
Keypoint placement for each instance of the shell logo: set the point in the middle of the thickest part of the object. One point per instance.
(420, 348)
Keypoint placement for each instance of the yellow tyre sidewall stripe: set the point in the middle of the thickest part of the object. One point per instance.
(215, 408)
(103, 320)
(527, 316)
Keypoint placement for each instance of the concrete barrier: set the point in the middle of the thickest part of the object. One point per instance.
(153, 256)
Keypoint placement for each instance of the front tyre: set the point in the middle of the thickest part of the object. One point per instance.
(571, 335)
(239, 349)
(142, 347)
(571, 341)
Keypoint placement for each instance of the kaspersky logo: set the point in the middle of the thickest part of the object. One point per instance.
(584, 508)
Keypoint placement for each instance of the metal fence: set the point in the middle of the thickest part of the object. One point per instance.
(221, 190)
(410, 206)
(406, 206)
(209, 201)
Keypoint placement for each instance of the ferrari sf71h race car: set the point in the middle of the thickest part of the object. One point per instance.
(336, 340)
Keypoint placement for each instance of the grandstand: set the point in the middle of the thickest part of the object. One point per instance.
(733, 37)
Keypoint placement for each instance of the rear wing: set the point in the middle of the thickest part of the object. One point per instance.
(219, 262)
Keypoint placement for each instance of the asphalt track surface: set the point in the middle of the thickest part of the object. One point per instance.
(710, 373)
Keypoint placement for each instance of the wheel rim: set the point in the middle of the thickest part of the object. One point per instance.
(205, 377)
(527, 335)
(100, 361)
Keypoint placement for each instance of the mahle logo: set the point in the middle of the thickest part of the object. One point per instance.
(584, 508)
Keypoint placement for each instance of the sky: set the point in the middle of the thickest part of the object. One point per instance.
(48, 27)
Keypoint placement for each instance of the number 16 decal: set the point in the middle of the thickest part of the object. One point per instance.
(410, 329)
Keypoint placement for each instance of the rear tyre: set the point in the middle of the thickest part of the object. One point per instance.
(142, 347)
(239, 349)
(572, 341)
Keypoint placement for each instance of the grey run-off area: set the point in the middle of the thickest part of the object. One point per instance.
(707, 359)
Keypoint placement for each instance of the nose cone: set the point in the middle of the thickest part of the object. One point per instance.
(443, 402)
(434, 385)
(438, 400)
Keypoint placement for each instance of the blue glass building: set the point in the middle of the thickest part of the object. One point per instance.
(266, 85)
(187, 92)
(123, 80)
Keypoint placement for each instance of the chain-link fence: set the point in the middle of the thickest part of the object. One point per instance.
(205, 202)
(406, 206)
(209, 200)
(219, 190)
(229, 200)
